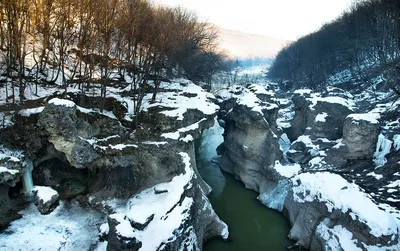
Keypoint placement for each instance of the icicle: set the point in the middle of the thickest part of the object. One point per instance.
(383, 147)
(27, 178)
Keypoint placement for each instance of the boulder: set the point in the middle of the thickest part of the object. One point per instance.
(320, 204)
(46, 199)
(320, 117)
(360, 134)
(326, 117)
(298, 124)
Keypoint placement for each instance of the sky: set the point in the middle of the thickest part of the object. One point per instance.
(284, 19)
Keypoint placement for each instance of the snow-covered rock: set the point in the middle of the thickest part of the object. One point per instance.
(360, 134)
(250, 133)
(165, 216)
(317, 197)
(46, 199)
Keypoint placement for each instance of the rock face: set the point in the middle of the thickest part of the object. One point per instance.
(10, 173)
(98, 156)
(320, 117)
(46, 199)
(251, 141)
(320, 213)
(360, 134)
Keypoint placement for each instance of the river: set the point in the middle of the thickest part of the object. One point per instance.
(252, 226)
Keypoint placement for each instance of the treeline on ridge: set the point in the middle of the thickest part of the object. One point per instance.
(365, 37)
(72, 41)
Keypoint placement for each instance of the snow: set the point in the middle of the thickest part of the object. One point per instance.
(370, 117)
(156, 143)
(303, 91)
(45, 193)
(62, 102)
(376, 176)
(168, 212)
(258, 89)
(68, 227)
(383, 147)
(124, 228)
(321, 117)
(251, 100)
(306, 140)
(122, 146)
(334, 100)
(31, 111)
(96, 111)
(343, 238)
(287, 171)
(176, 135)
(179, 103)
(187, 138)
(6, 170)
(336, 192)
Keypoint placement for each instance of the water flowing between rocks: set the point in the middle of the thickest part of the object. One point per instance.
(252, 226)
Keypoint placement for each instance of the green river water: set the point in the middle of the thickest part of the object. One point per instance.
(252, 226)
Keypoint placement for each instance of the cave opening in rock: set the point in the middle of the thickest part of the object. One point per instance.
(60, 175)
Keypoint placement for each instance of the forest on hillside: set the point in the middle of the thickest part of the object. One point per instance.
(83, 43)
(364, 42)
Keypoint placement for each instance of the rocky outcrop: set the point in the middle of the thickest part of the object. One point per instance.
(11, 171)
(180, 206)
(320, 117)
(251, 141)
(96, 156)
(46, 199)
(360, 135)
(320, 213)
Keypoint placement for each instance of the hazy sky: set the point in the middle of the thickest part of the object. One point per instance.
(287, 19)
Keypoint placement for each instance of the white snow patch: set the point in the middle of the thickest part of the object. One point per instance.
(181, 103)
(10, 171)
(66, 228)
(31, 111)
(321, 117)
(287, 171)
(336, 192)
(303, 91)
(337, 238)
(45, 193)
(63, 102)
(370, 117)
(122, 146)
(376, 176)
(168, 213)
(156, 143)
(334, 100)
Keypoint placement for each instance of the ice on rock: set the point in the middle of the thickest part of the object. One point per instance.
(383, 147)
(396, 142)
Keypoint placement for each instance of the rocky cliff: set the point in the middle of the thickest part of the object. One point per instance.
(141, 176)
(313, 165)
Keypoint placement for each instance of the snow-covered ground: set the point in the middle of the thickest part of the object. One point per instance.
(68, 227)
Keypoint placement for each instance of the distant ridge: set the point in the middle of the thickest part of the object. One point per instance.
(244, 45)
